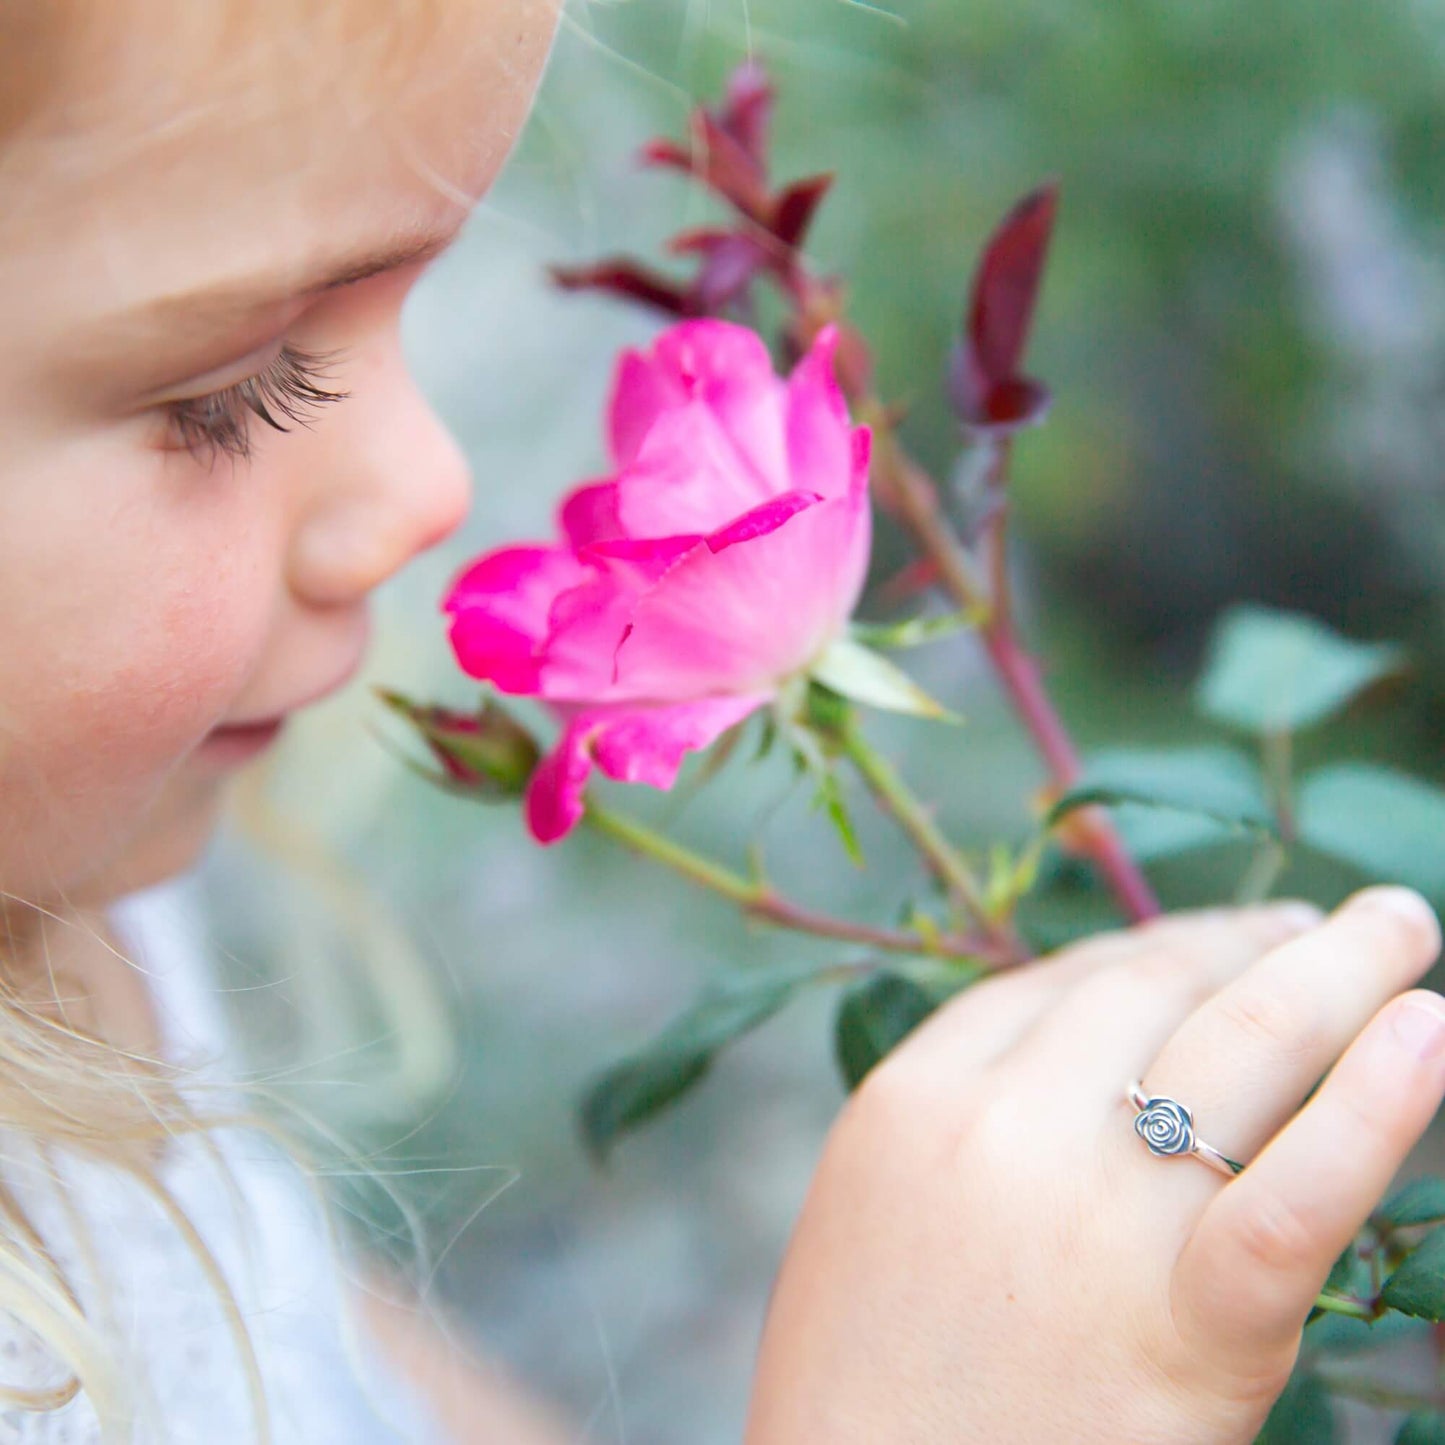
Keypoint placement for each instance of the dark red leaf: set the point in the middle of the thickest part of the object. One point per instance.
(627, 278)
(1006, 286)
(719, 160)
(665, 152)
(917, 576)
(727, 167)
(728, 274)
(748, 111)
(1001, 405)
(730, 262)
(1020, 401)
(794, 209)
(699, 240)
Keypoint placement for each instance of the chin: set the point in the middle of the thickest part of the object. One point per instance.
(172, 841)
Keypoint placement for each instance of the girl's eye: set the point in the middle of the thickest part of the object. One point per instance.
(288, 392)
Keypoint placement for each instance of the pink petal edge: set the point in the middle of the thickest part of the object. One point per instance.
(500, 608)
(644, 745)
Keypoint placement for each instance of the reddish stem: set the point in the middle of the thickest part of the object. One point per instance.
(910, 491)
(1020, 676)
(782, 913)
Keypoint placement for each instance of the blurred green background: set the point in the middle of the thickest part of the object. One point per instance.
(1244, 327)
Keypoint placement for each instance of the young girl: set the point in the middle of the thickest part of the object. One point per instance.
(210, 216)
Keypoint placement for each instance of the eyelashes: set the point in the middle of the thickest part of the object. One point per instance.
(286, 393)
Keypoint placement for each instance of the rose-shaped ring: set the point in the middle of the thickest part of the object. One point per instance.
(1167, 1127)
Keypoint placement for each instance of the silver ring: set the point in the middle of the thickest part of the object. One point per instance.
(1167, 1128)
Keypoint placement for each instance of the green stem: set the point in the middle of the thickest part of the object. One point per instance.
(1279, 773)
(661, 849)
(895, 797)
(760, 900)
(1339, 1304)
(1264, 870)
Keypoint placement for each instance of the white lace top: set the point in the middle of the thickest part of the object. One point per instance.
(177, 1351)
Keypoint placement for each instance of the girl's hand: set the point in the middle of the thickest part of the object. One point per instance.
(989, 1251)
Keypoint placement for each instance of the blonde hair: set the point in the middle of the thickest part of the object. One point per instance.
(63, 1090)
(67, 1096)
(67, 1093)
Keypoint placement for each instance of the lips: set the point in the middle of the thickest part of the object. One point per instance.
(261, 732)
(274, 720)
(270, 723)
(230, 746)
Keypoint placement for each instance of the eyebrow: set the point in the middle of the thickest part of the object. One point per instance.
(346, 272)
(206, 313)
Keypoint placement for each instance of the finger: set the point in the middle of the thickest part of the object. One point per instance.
(986, 1020)
(1261, 1252)
(1245, 1060)
(1097, 1035)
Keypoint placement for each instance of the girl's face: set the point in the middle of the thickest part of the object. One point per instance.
(208, 211)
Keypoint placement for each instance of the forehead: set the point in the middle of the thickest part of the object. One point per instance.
(173, 138)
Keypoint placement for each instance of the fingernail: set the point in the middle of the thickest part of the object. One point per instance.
(1296, 915)
(1404, 902)
(1421, 1028)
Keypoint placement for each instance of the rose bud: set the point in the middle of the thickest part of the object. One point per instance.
(487, 752)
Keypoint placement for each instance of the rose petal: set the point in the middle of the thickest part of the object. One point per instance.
(553, 803)
(588, 625)
(688, 477)
(589, 514)
(500, 609)
(756, 610)
(648, 747)
(761, 520)
(818, 430)
(724, 367)
(642, 746)
(641, 392)
(650, 557)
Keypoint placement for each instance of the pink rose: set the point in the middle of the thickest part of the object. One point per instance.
(721, 559)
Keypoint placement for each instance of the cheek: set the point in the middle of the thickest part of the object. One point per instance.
(131, 630)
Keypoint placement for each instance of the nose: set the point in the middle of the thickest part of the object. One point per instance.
(394, 483)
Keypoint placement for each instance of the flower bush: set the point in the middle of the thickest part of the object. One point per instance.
(719, 561)
(715, 574)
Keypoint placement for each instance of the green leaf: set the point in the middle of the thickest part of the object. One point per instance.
(660, 1073)
(1278, 672)
(1425, 1427)
(1011, 877)
(1417, 1287)
(1302, 1415)
(830, 798)
(767, 736)
(1389, 826)
(812, 758)
(1421, 1201)
(1343, 1271)
(854, 672)
(874, 1017)
(1200, 795)
(915, 631)
(1348, 1275)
